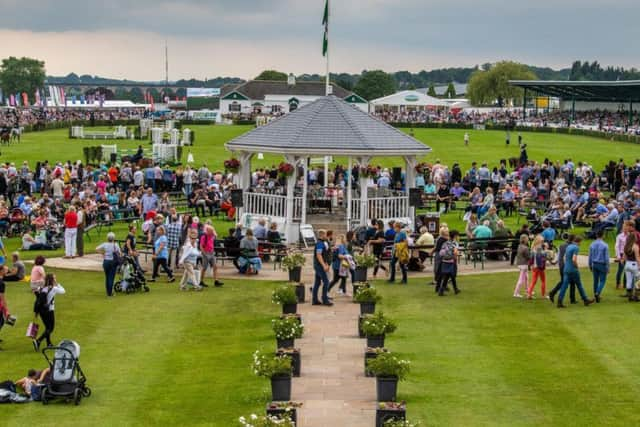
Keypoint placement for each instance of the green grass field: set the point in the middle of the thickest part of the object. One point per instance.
(479, 358)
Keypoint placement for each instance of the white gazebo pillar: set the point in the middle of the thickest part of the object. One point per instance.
(410, 181)
(305, 189)
(243, 177)
(364, 196)
(290, 229)
(349, 197)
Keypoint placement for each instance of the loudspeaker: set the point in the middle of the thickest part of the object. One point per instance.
(415, 197)
(397, 175)
(113, 157)
(236, 198)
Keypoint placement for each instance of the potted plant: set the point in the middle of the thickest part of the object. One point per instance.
(286, 297)
(287, 330)
(296, 316)
(278, 370)
(294, 354)
(267, 421)
(371, 353)
(388, 370)
(367, 297)
(392, 414)
(232, 165)
(363, 263)
(369, 171)
(357, 287)
(284, 410)
(376, 327)
(285, 169)
(361, 319)
(293, 263)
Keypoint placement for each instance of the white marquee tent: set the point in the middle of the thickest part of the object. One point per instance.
(407, 99)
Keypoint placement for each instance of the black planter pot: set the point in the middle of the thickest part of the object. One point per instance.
(281, 389)
(295, 361)
(300, 292)
(367, 307)
(289, 308)
(285, 343)
(295, 274)
(281, 412)
(386, 389)
(360, 274)
(384, 415)
(374, 341)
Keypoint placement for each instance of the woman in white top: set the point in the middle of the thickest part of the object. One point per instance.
(110, 252)
(188, 260)
(46, 308)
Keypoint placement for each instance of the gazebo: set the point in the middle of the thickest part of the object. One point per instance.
(328, 126)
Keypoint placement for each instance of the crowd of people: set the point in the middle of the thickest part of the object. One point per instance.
(17, 117)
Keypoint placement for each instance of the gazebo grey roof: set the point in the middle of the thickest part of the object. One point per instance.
(328, 126)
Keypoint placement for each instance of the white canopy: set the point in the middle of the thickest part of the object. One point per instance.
(409, 98)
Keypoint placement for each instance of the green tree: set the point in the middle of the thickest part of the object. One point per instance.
(19, 75)
(492, 85)
(451, 91)
(272, 75)
(432, 90)
(375, 84)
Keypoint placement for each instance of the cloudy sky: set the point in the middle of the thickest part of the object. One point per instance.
(208, 38)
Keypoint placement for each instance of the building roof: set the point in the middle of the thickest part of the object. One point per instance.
(594, 91)
(409, 97)
(258, 89)
(328, 126)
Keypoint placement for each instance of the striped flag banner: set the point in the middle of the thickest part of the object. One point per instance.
(17, 97)
(12, 100)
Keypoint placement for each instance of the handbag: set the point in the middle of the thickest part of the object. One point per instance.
(117, 257)
(32, 330)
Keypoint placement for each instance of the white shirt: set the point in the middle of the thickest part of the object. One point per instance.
(57, 289)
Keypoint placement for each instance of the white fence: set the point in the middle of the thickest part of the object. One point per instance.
(382, 207)
(271, 205)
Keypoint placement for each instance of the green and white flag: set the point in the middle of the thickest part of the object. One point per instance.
(325, 22)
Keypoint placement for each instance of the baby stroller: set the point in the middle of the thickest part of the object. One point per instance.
(16, 222)
(131, 277)
(67, 379)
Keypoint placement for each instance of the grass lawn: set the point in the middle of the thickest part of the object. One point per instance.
(447, 145)
(150, 359)
(485, 358)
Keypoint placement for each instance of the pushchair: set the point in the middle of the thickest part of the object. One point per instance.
(131, 277)
(67, 379)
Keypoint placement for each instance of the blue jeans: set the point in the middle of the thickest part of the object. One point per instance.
(600, 271)
(109, 266)
(321, 276)
(574, 277)
(403, 268)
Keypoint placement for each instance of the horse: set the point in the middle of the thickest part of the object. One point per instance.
(5, 135)
(16, 132)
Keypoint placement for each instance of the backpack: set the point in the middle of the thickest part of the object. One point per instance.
(41, 303)
(539, 260)
(402, 252)
(447, 252)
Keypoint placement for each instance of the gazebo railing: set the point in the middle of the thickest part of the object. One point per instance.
(382, 207)
(271, 205)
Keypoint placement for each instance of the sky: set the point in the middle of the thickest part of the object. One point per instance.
(240, 38)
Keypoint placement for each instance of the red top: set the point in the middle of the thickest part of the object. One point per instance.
(71, 220)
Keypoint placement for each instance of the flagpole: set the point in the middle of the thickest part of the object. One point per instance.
(327, 75)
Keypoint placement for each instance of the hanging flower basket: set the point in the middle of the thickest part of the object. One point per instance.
(368, 171)
(232, 165)
(421, 168)
(286, 169)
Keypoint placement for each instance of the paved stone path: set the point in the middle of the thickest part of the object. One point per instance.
(332, 385)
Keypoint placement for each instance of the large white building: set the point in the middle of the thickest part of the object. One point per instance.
(276, 97)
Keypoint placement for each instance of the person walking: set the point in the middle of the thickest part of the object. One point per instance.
(572, 273)
(522, 261)
(161, 255)
(562, 250)
(599, 264)
(110, 256)
(400, 254)
(208, 251)
(70, 232)
(45, 308)
(339, 254)
(631, 258)
(377, 244)
(188, 260)
(539, 258)
(621, 239)
(320, 268)
(448, 255)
